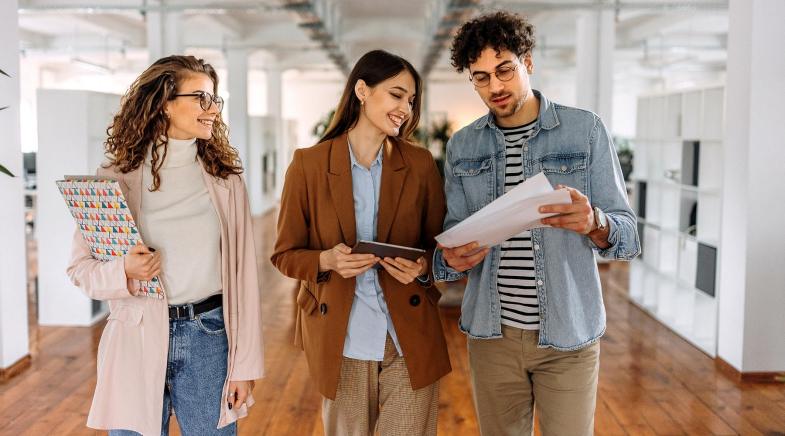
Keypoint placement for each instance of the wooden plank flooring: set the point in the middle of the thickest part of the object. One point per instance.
(651, 381)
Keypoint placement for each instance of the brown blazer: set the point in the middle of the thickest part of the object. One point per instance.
(317, 213)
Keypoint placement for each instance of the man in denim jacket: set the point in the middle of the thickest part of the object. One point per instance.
(532, 308)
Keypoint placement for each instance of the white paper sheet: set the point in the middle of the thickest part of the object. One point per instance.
(508, 215)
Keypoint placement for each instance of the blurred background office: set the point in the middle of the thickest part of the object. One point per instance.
(691, 90)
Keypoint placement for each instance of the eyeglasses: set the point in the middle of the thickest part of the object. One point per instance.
(503, 73)
(206, 100)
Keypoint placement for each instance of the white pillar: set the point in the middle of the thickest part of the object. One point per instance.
(275, 112)
(237, 85)
(83, 127)
(14, 340)
(595, 41)
(752, 277)
(163, 32)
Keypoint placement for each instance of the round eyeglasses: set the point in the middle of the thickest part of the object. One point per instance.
(206, 100)
(503, 73)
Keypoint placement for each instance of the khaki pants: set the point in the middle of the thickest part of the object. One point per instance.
(511, 377)
(378, 396)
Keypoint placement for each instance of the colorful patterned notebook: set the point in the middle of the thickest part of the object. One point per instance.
(101, 212)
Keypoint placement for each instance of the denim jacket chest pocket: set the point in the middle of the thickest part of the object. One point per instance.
(567, 169)
(476, 176)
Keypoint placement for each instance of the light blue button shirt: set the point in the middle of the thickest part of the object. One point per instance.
(369, 320)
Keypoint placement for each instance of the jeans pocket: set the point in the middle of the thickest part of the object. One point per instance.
(211, 322)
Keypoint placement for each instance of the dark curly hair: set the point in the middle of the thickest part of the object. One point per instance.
(499, 30)
(141, 122)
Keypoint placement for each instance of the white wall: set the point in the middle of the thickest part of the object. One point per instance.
(455, 99)
(307, 98)
(13, 261)
(70, 143)
(752, 279)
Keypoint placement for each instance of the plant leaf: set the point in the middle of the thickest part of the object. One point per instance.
(4, 73)
(5, 171)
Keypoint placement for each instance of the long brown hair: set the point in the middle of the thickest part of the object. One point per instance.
(374, 67)
(141, 122)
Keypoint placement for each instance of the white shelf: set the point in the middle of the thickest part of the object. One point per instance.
(678, 155)
(687, 311)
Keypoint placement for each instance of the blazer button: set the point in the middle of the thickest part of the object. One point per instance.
(415, 300)
(323, 308)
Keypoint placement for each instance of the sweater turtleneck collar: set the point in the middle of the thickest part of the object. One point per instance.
(179, 153)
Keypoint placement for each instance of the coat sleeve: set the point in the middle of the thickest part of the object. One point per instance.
(291, 254)
(249, 357)
(99, 280)
(608, 192)
(457, 211)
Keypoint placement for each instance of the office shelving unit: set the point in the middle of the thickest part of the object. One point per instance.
(677, 191)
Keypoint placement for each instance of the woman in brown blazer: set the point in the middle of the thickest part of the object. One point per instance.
(370, 327)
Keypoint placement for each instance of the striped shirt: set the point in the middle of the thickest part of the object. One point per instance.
(516, 279)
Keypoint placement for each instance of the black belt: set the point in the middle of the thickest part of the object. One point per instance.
(186, 311)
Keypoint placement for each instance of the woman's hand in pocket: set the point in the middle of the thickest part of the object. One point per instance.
(404, 270)
(341, 260)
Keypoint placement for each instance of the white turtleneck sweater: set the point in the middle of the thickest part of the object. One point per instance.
(180, 222)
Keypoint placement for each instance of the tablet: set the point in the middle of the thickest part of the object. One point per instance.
(383, 250)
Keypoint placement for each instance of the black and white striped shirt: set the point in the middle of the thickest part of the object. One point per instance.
(516, 279)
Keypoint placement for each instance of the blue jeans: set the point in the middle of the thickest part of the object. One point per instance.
(195, 374)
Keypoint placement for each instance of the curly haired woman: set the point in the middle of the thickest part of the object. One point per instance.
(198, 350)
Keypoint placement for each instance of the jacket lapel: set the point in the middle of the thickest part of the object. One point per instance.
(339, 178)
(394, 172)
(131, 185)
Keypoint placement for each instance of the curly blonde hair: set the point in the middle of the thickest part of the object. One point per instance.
(141, 122)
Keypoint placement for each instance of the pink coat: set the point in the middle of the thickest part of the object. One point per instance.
(133, 350)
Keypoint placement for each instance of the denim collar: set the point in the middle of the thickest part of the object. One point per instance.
(547, 118)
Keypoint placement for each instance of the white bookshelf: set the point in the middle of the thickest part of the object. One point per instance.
(675, 280)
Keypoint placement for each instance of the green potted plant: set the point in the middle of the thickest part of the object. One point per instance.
(321, 126)
(625, 154)
(439, 133)
(3, 169)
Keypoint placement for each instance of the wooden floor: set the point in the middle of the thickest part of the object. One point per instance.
(651, 381)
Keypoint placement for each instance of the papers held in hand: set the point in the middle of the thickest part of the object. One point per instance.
(508, 215)
(382, 250)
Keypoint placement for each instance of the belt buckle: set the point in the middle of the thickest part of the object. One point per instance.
(177, 314)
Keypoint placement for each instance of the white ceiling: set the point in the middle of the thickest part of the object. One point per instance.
(652, 37)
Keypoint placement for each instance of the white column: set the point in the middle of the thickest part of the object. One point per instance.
(163, 32)
(13, 259)
(275, 112)
(595, 41)
(237, 85)
(83, 127)
(752, 277)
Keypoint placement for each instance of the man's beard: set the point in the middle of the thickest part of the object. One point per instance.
(514, 108)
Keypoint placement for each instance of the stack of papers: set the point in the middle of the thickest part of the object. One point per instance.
(508, 215)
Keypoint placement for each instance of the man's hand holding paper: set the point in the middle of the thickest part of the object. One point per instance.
(508, 215)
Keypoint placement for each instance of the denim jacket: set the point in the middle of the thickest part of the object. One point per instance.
(573, 148)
